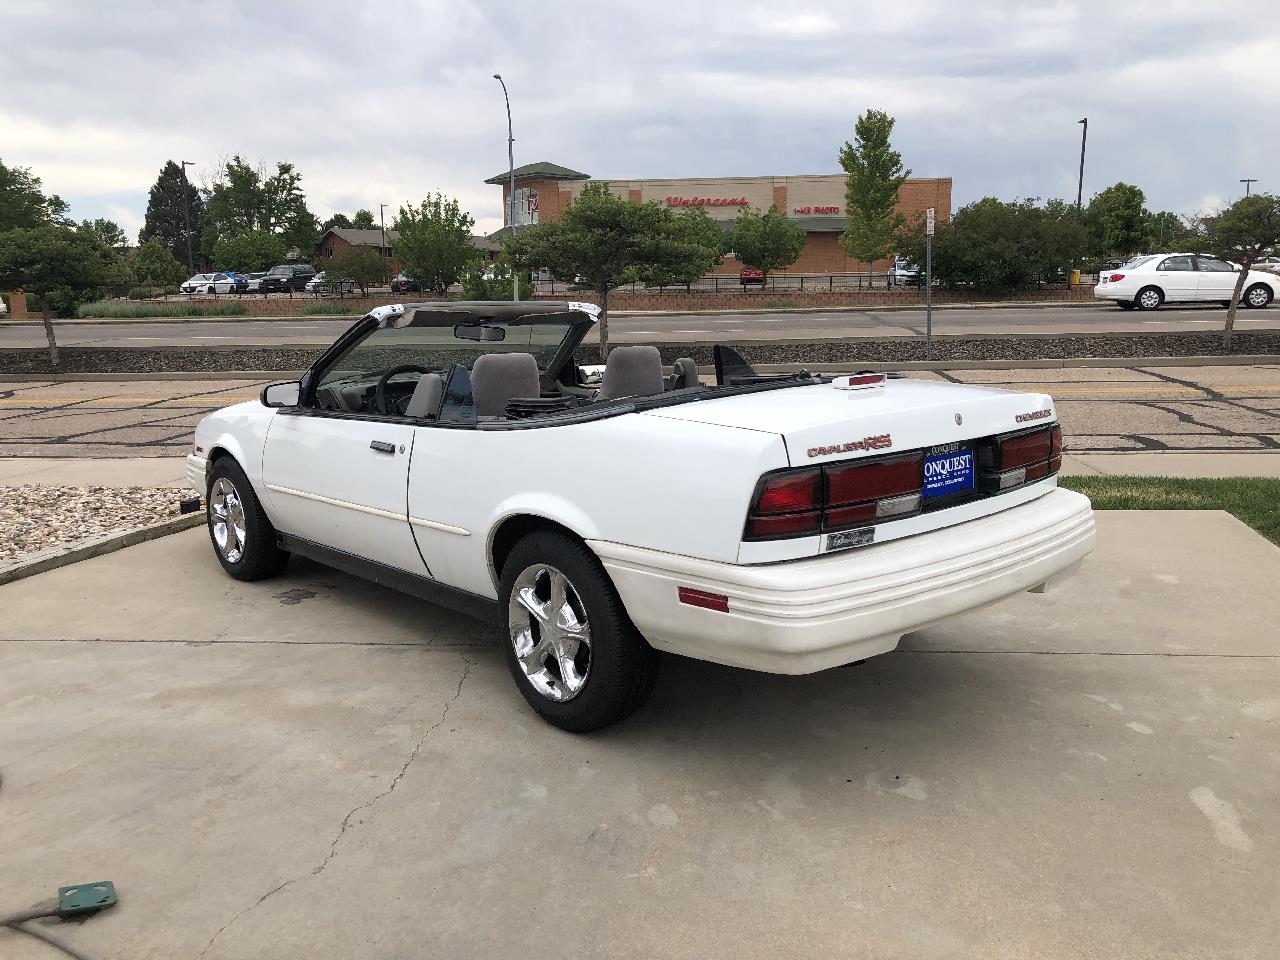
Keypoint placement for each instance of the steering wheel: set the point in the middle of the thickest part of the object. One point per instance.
(380, 391)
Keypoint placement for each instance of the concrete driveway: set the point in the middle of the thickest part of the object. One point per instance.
(314, 767)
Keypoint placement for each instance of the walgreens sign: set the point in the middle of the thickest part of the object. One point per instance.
(708, 202)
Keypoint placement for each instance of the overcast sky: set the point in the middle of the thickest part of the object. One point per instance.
(387, 101)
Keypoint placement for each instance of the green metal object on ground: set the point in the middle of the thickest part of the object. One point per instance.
(86, 898)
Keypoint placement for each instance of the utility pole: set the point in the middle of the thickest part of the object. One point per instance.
(1248, 182)
(928, 282)
(383, 223)
(1084, 135)
(186, 213)
(511, 185)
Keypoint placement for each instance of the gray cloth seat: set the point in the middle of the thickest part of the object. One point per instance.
(498, 378)
(684, 374)
(427, 395)
(632, 372)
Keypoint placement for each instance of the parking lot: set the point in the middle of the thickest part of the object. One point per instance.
(312, 766)
(1103, 409)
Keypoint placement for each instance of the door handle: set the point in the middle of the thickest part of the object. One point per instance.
(382, 446)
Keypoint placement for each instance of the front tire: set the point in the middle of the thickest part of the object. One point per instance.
(1257, 296)
(1149, 298)
(243, 538)
(571, 648)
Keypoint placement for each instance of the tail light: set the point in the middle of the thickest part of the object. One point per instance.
(1115, 278)
(1015, 459)
(808, 501)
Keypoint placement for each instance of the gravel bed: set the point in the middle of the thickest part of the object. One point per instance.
(36, 518)
(890, 350)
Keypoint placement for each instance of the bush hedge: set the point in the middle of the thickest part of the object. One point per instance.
(124, 309)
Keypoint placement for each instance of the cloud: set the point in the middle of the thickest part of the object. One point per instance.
(385, 103)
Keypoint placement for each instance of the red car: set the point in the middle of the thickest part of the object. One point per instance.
(751, 275)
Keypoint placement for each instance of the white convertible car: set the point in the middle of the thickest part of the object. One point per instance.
(785, 523)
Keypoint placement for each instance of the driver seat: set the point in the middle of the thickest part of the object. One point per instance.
(426, 399)
(498, 378)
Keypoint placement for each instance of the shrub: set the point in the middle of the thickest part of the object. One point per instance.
(124, 309)
(326, 310)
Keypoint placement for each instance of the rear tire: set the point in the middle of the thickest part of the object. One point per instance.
(1257, 296)
(243, 539)
(559, 606)
(1149, 298)
(1125, 304)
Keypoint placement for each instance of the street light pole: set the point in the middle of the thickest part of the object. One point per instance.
(186, 214)
(1248, 182)
(1084, 135)
(511, 184)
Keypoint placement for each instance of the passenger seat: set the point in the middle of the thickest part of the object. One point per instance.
(632, 372)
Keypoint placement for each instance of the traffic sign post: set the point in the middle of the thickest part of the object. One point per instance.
(928, 283)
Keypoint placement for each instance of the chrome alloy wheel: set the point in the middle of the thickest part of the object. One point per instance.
(226, 520)
(550, 632)
(1258, 296)
(1149, 299)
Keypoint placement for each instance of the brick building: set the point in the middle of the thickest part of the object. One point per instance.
(815, 202)
(338, 240)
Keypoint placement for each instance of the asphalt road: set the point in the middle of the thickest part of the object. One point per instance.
(781, 326)
(1112, 409)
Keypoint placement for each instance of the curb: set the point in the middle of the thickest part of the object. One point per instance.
(68, 554)
(1069, 363)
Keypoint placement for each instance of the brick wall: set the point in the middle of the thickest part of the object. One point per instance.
(751, 299)
(336, 246)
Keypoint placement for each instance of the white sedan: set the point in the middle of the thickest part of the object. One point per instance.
(1146, 282)
(318, 284)
(212, 283)
(786, 523)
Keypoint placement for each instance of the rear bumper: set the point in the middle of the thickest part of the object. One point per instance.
(807, 615)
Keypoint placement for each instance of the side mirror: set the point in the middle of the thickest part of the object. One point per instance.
(280, 394)
(590, 375)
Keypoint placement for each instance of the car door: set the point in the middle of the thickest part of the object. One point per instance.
(340, 481)
(1177, 277)
(1216, 279)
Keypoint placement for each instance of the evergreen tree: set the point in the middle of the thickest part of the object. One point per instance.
(171, 204)
(875, 175)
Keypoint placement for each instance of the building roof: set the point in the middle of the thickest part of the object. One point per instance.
(373, 238)
(543, 170)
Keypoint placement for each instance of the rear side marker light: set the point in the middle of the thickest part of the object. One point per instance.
(701, 598)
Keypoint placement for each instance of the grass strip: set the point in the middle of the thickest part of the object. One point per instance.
(1254, 500)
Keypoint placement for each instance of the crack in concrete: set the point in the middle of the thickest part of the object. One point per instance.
(345, 826)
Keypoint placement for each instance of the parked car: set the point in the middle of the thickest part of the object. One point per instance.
(903, 272)
(750, 275)
(402, 284)
(1269, 263)
(288, 276)
(4, 309)
(213, 283)
(1150, 280)
(253, 281)
(318, 284)
(786, 523)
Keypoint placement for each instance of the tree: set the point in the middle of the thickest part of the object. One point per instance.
(434, 245)
(339, 221)
(1241, 233)
(171, 204)
(603, 241)
(363, 220)
(496, 286)
(60, 266)
(703, 243)
(23, 202)
(1167, 231)
(875, 176)
(1118, 222)
(361, 265)
(246, 198)
(108, 231)
(155, 266)
(248, 250)
(999, 246)
(766, 241)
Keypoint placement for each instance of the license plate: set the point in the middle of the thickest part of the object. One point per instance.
(947, 469)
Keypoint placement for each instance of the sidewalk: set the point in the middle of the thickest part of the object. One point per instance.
(171, 471)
